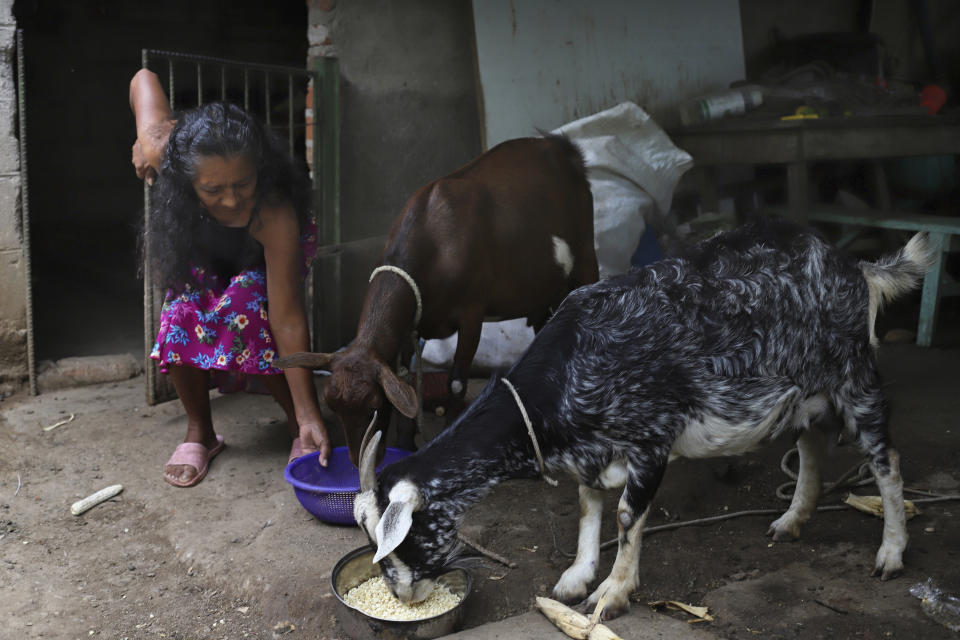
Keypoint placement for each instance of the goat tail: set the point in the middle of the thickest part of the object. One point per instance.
(572, 152)
(893, 275)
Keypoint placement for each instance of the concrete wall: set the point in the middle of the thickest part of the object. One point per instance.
(543, 63)
(408, 113)
(13, 322)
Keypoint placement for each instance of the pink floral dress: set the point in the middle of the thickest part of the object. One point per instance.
(223, 328)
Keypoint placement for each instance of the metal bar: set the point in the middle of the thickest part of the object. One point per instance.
(318, 321)
(330, 127)
(902, 220)
(187, 57)
(290, 111)
(326, 175)
(25, 213)
(930, 299)
(149, 367)
(170, 86)
(266, 97)
(199, 84)
(363, 244)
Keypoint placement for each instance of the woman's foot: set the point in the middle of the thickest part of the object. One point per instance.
(296, 450)
(189, 463)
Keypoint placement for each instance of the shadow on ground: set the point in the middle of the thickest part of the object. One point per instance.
(237, 557)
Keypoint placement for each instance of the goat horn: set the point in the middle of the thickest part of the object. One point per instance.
(305, 360)
(368, 464)
(368, 456)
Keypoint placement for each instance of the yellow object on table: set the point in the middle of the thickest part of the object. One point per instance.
(805, 112)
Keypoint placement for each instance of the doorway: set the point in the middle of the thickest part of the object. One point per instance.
(86, 204)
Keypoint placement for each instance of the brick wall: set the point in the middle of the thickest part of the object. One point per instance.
(13, 323)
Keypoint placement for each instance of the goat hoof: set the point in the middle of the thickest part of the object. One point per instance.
(569, 597)
(889, 563)
(784, 531)
(783, 536)
(614, 608)
(610, 611)
(887, 574)
(780, 535)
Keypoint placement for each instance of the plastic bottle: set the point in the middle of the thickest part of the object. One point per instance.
(940, 606)
(713, 107)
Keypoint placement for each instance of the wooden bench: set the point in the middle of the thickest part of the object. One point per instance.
(944, 234)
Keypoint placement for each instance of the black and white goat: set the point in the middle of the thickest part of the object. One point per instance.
(751, 336)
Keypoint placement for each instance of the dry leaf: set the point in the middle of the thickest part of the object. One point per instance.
(874, 505)
(698, 612)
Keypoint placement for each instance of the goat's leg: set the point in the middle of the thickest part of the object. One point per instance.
(406, 428)
(889, 562)
(625, 575)
(406, 431)
(573, 584)
(644, 475)
(468, 339)
(810, 447)
(865, 416)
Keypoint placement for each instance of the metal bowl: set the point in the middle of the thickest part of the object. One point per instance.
(357, 567)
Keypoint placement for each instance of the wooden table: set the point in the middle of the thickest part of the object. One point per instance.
(798, 143)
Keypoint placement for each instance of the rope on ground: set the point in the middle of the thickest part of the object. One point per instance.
(856, 476)
(490, 554)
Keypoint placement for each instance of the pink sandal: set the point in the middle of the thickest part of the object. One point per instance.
(195, 455)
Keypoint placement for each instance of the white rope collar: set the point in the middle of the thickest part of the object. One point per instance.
(416, 339)
(533, 436)
(413, 285)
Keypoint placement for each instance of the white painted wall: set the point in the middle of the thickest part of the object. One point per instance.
(543, 63)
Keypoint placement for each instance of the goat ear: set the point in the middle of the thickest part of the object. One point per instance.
(395, 524)
(305, 360)
(399, 393)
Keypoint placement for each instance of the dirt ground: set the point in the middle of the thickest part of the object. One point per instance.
(237, 557)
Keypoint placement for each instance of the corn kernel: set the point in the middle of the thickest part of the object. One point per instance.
(374, 598)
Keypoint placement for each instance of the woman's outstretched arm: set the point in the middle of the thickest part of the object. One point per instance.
(280, 237)
(151, 109)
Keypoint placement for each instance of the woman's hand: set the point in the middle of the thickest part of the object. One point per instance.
(313, 437)
(151, 109)
(148, 151)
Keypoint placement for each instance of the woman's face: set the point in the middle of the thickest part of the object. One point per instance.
(226, 186)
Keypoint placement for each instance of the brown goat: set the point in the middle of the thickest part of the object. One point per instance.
(506, 236)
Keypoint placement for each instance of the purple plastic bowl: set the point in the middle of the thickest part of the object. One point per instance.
(328, 493)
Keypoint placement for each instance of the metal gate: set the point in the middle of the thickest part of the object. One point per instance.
(25, 212)
(299, 104)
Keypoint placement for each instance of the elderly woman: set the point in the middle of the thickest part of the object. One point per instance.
(230, 238)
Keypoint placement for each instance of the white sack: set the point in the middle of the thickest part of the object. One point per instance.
(633, 169)
(501, 344)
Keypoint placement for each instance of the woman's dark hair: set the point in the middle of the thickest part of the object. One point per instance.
(179, 231)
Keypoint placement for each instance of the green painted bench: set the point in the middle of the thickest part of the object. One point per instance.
(944, 233)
